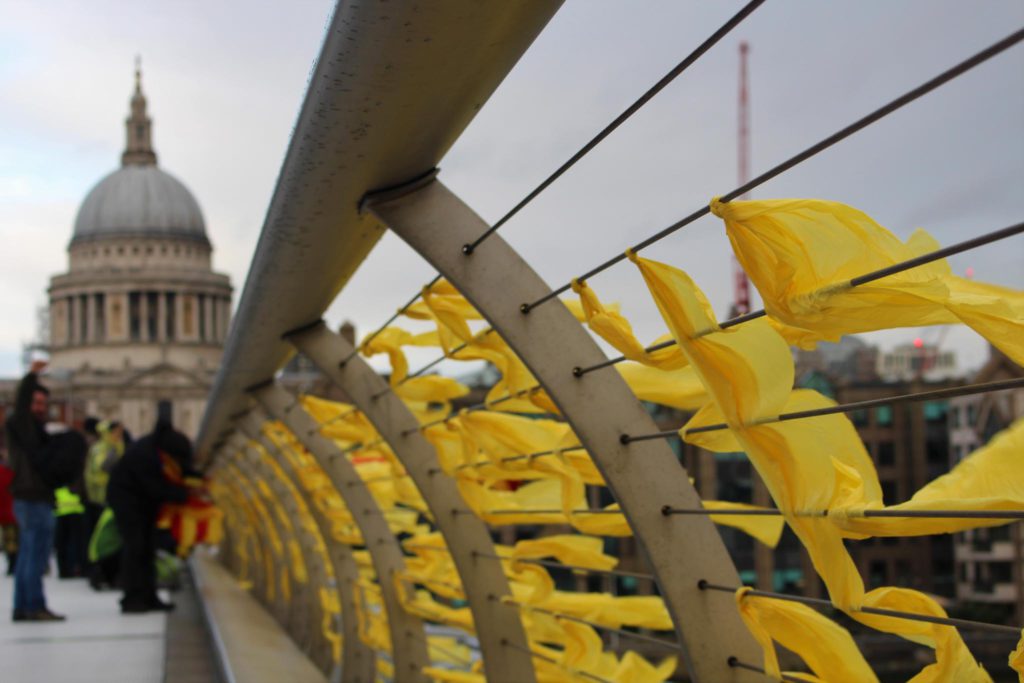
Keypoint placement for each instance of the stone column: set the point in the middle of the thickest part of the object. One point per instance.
(144, 315)
(92, 333)
(210, 311)
(161, 316)
(79, 312)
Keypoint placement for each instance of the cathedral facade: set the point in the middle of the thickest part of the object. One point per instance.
(139, 320)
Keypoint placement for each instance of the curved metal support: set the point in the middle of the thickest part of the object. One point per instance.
(316, 645)
(252, 537)
(264, 584)
(408, 638)
(499, 628)
(357, 660)
(284, 610)
(643, 476)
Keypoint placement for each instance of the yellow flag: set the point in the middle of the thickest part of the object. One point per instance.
(611, 326)
(802, 253)
(748, 373)
(1016, 660)
(826, 647)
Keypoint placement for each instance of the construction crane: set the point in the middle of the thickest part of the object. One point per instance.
(741, 285)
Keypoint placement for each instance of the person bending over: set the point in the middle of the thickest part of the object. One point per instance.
(147, 475)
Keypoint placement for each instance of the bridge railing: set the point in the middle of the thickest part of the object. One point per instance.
(367, 526)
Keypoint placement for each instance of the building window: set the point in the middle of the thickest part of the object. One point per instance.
(135, 316)
(116, 319)
(878, 573)
(937, 451)
(170, 328)
(883, 416)
(1001, 572)
(859, 417)
(972, 414)
(889, 492)
(954, 417)
(935, 411)
(886, 453)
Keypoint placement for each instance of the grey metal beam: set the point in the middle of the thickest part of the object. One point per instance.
(644, 476)
(394, 86)
(499, 627)
(408, 638)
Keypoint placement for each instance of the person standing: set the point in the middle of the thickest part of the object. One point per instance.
(104, 454)
(8, 524)
(33, 498)
(149, 474)
(71, 534)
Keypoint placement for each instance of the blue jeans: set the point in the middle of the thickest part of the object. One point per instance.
(35, 541)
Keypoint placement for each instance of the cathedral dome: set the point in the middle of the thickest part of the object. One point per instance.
(139, 200)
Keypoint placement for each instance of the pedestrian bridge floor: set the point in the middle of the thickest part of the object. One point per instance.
(96, 643)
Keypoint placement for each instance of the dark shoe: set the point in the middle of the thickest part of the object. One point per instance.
(161, 606)
(20, 615)
(134, 608)
(47, 615)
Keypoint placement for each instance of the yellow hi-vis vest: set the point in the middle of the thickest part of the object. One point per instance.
(67, 503)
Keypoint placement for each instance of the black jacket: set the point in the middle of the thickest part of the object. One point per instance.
(25, 439)
(138, 480)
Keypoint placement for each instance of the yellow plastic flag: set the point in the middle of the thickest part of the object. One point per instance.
(748, 372)
(453, 675)
(580, 551)
(583, 653)
(1016, 659)
(680, 388)
(990, 479)
(766, 529)
(802, 253)
(826, 647)
(953, 661)
(427, 388)
(610, 325)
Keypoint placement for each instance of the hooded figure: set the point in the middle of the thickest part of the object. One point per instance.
(149, 474)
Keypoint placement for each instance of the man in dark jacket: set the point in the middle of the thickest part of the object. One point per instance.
(150, 473)
(33, 498)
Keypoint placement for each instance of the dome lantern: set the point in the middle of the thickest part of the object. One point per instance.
(139, 199)
(138, 127)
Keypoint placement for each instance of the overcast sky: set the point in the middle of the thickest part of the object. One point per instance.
(225, 81)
